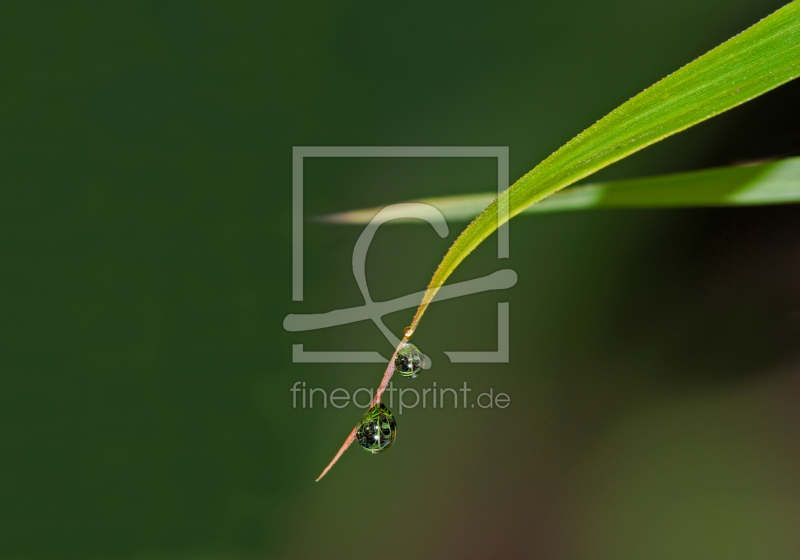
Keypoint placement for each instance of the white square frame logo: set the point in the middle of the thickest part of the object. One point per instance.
(500, 153)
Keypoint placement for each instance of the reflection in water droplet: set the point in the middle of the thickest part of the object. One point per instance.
(409, 361)
(377, 430)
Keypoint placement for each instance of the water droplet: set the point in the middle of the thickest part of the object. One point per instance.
(409, 361)
(408, 332)
(377, 430)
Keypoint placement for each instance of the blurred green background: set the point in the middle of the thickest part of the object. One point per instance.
(145, 242)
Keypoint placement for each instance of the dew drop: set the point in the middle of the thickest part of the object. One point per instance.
(409, 361)
(377, 430)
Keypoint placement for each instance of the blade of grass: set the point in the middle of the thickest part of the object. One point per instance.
(767, 183)
(754, 62)
(757, 60)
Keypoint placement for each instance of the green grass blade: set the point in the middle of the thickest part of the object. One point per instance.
(750, 64)
(767, 183)
(754, 62)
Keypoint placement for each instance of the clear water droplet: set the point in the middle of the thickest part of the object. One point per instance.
(409, 361)
(377, 430)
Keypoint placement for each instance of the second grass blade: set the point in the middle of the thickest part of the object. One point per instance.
(776, 182)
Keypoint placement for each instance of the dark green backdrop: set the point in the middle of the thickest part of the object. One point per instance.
(145, 272)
